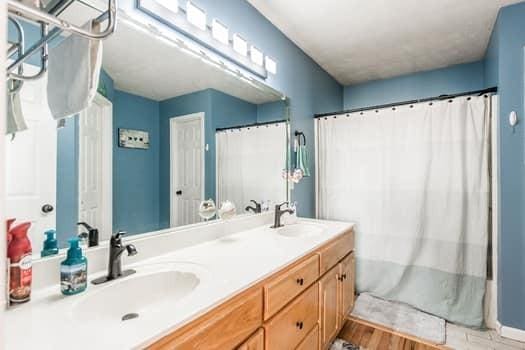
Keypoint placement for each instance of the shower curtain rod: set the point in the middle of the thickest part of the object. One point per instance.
(250, 125)
(441, 97)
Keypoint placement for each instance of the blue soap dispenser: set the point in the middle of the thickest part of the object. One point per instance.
(73, 270)
(50, 244)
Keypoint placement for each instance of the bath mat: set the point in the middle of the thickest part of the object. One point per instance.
(401, 318)
(340, 344)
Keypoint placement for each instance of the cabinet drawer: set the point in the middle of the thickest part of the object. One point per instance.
(222, 328)
(335, 251)
(290, 326)
(286, 286)
(311, 341)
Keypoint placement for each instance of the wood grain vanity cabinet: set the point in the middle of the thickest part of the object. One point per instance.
(255, 342)
(300, 307)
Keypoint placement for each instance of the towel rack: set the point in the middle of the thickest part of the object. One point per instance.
(17, 9)
(298, 135)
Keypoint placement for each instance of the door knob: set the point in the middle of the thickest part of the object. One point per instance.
(47, 208)
(178, 193)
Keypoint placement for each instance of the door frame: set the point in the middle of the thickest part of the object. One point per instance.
(106, 210)
(173, 141)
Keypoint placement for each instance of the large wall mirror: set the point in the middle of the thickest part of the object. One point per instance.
(166, 131)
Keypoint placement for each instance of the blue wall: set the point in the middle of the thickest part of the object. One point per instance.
(270, 111)
(454, 79)
(505, 66)
(136, 171)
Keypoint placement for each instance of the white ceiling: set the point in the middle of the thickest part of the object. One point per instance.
(357, 41)
(142, 63)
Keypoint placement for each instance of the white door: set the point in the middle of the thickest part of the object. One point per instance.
(95, 168)
(31, 163)
(187, 168)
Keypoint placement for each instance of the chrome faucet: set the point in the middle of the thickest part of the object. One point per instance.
(257, 209)
(116, 248)
(278, 213)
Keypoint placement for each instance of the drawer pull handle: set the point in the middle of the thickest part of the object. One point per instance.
(344, 276)
(299, 325)
(300, 281)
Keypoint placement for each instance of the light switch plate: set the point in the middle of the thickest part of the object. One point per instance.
(129, 138)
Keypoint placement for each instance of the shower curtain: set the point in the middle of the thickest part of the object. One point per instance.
(415, 181)
(250, 161)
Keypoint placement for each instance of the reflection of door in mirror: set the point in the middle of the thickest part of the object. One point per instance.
(32, 157)
(95, 166)
(187, 168)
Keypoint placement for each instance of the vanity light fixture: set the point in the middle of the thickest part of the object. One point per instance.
(171, 5)
(270, 65)
(220, 32)
(256, 56)
(190, 20)
(196, 15)
(240, 45)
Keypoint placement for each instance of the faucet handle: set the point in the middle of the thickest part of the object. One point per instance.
(119, 234)
(278, 206)
(254, 202)
(86, 225)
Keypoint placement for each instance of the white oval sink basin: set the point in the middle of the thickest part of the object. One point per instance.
(300, 230)
(135, 294)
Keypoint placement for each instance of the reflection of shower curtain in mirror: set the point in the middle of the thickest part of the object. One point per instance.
(249, 164)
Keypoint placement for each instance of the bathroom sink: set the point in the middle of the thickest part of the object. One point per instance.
(130, 297)
(300, 230)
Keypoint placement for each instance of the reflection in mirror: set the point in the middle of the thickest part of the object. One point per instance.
(166, 131)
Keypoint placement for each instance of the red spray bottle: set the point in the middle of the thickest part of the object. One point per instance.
(20, 264)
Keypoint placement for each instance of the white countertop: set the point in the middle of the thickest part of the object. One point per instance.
(225, 266)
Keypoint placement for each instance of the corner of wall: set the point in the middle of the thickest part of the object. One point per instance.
(3, 287)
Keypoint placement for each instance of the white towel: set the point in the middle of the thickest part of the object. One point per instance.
(15, 118)
(74, 69)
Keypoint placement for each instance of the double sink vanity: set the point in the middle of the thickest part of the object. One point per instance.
(236, 284)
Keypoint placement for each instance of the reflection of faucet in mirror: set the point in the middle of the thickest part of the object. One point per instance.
(91, 235)
(116, 248)
(278, 213)
(257, 209)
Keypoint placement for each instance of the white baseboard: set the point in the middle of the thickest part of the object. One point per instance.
(512, 333)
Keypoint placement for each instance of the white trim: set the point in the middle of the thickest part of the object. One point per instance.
(3, 114)
(512, 333)
(173, 122)
(106, 209)
(316, 160)
(217, 199)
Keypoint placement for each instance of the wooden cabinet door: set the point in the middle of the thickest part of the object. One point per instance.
(329, 287)
(347, 281)
(255, 342)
